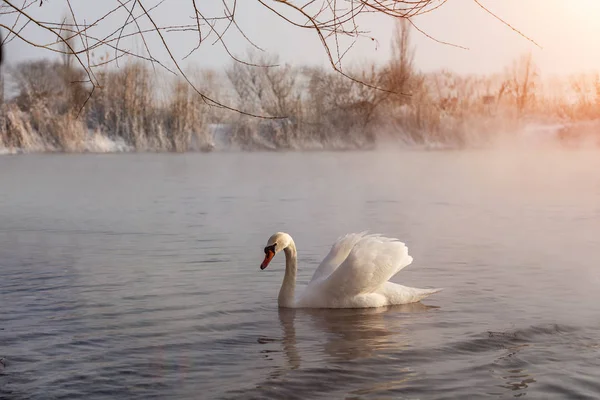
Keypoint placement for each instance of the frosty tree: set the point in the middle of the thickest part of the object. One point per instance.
(335, 22)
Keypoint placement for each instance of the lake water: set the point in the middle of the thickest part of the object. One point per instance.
(137, 276)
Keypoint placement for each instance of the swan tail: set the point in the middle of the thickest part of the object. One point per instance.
(398, 294)
(420, 294)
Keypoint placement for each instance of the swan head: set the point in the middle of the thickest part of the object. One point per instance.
(277, 242)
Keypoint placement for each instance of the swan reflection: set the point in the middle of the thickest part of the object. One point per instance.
(314, 342)
(345, 334)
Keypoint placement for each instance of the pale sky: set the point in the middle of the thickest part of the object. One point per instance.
(567, 30)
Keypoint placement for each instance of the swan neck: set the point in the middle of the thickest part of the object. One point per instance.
(288, 287)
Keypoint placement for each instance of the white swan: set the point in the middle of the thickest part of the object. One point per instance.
(354, 274)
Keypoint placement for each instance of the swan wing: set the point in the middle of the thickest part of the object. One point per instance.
(338, 253)
(371, 262)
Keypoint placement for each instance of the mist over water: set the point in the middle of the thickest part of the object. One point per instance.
(136, 276)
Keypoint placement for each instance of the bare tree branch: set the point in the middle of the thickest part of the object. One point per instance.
(506, 23)
(335, 22)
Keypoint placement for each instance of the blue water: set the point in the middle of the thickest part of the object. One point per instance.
(137, 276)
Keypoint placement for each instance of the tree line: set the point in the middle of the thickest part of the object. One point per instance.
(47, 104)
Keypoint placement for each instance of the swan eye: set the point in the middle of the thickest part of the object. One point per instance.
(270, 248)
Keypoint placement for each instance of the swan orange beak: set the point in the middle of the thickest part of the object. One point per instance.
(268, 257)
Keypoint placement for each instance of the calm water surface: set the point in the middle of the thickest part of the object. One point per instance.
(137, 276)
